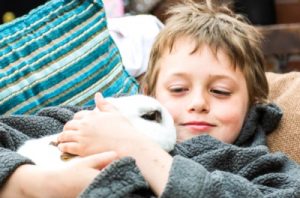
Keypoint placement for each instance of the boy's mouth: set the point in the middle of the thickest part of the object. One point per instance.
(197, 128)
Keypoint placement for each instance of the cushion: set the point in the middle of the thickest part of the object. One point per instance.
(60, 53)
(284, 91)
(134, 35)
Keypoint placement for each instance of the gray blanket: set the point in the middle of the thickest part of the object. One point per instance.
(202, 166)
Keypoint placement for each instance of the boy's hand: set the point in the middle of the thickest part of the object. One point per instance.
(73, 179)
(99, 130)
(103, 105)
(65, 182)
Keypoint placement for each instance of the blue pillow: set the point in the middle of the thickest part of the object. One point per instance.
(60, 53)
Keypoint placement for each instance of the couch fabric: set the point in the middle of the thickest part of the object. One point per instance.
(284, 91)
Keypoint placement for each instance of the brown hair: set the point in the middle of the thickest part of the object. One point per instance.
(219, 28)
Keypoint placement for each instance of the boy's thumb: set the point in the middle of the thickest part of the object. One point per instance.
(102, 104)
(100, 160)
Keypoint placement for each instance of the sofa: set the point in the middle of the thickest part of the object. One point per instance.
(284, 91)
(62, 53)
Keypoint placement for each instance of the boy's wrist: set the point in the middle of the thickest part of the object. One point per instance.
(18, 184)
(153, 162)
(32, 181)
(134, 146)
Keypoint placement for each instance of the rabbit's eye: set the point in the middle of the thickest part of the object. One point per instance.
(153, 116)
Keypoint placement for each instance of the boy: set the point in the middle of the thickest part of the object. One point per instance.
(205, 68)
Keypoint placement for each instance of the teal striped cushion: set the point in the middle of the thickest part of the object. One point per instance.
(60, 53)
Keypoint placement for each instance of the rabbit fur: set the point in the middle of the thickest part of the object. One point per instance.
(144, 112)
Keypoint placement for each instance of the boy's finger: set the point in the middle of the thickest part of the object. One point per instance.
(67, 136)
(71, 125)
(69, 147)
(81, 114)
(102, 104)
(100, 160)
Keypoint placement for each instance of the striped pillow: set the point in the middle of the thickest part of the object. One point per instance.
(60, 53)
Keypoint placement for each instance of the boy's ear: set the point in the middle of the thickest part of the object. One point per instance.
(144, 89)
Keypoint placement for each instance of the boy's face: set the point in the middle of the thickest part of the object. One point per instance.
(204, 93)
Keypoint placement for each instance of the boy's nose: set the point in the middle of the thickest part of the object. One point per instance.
(199, 103)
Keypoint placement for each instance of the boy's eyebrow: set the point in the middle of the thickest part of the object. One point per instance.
(221, 76)
(178, 74)
(218, 76)
(211, 76)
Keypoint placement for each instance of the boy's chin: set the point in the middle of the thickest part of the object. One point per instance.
(184, 135)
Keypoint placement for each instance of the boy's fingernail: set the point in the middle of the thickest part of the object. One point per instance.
(99, 95)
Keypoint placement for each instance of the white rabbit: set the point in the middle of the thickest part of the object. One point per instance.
(144, 112)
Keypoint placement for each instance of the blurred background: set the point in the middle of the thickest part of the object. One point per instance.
(263, 12)
(279, 20)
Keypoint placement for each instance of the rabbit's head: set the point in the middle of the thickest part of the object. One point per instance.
(149, 117)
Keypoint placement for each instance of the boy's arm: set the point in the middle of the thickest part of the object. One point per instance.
(34, 181)
(20, 178)
(9, 162)
(265, 175)
(16, 129)
(11, 139)
(190, 179)
(153, 162)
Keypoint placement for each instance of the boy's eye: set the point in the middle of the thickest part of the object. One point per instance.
(177, 89)
(220, 92)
